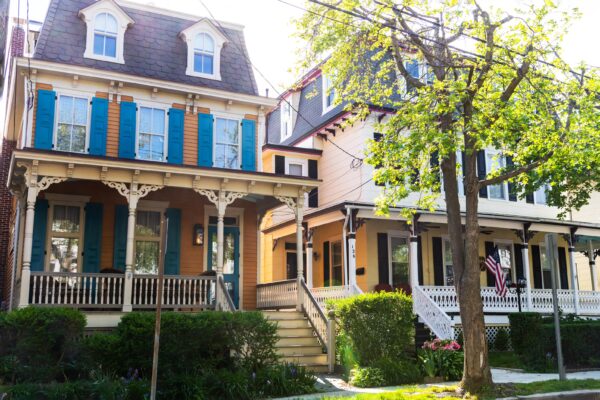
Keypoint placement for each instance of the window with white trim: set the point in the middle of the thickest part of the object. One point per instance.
(336, 264)
(295, 169)
(72, 124)
(105, 35)
(448, 265)
(494, 162)
(540, 195)
(152, 134)
(227, 143)
(505, 251)
(399, 260)
(328, 94)
(546, 268)
(65, 237)
(147, 241)
(286, 120)
(204, 53)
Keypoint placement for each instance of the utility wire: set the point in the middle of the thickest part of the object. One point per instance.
(356, 161)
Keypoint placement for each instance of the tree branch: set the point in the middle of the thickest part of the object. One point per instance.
(515, 172)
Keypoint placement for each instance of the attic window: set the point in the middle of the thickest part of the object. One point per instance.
(204, 51)
(205, 42)
(105, 35)
(106, 25)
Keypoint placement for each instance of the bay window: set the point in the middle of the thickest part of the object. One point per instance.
(147, 241)
(227, 143)
(151, 136)
(72, 124)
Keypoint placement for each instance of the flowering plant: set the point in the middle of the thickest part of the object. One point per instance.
(441, 358)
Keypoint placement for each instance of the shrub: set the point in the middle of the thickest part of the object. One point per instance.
(581, 348)
(442, 358)
(377, 325)
(399, 372)
(39, 344)
(254, 340)
(108, 389)
(525, 330)
(502, 340)
(367, 377)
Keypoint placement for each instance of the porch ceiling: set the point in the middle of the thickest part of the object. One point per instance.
(53, 164)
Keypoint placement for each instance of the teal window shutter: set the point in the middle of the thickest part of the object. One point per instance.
(99, 125)
(38, 245)
(172, 254)
(175, 155)
(248, 145)
(205, 140)
(44, 119)
(92, 239)
(127, 130)
(121, 214)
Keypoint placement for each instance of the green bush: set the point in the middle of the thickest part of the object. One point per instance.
(39, 344)
(527, 341)
(399, 372)
(378, 325)
(502, 340)
(367, 377)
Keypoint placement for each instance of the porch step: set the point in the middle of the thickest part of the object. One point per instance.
(297, 341)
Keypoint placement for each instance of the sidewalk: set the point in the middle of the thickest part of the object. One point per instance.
(334, 386)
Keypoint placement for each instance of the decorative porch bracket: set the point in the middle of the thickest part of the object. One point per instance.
(297, 206)
(221, 199)
(34, 187)
(132, 193)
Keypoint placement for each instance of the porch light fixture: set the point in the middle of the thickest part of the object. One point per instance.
(198, 235)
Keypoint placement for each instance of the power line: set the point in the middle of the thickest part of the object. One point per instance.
(356, 161)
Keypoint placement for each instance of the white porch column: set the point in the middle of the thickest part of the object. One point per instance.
(299, 248)
(32, 193)
(221, 207)
(527, 275)
(574, 279)
(309, 259)
(352, 258)
(593, 270)
(128, 288)
(414, 260)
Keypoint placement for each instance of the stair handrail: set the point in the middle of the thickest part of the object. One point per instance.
(225, 303)
(323, 326)
(432, 315)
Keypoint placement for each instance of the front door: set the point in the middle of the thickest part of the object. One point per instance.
(231, 258)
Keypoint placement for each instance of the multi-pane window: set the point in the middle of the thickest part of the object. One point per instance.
(286, 120)
(540, 195)
(204, 53)
(151, 140)
(147, 242)
(336, 263)
(448, 265)
(505, 253)
(399, 260)
(105, 35)
(328, 93)
(71, 131)
(495, 162)
(227, 143)
(65, 238)
(546, 268)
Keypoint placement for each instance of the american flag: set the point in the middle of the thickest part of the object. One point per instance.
(493, 264)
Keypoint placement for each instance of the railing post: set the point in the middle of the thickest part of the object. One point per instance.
(299, 249)
(309, 259)
(331, 334)
(525, 257)
(27, 247)
(593, 270)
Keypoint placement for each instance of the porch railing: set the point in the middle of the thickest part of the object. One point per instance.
(224, 303)
(80, 290)
(322, 294)
(432, 314)
(280, 294)
(541, 299)
(195, 292)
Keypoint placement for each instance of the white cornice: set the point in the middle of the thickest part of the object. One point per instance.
(93, 73)
(176, 14)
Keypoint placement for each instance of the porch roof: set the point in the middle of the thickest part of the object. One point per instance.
(56, 164)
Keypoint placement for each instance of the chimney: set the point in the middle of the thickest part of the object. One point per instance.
(17, 42)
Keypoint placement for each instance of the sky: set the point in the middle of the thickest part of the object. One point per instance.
(269, 31)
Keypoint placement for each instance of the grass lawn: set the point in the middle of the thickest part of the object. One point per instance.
(500, 390)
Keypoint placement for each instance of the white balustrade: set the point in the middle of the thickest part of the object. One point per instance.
(432, 314)
(589, 301)
(225, 303)
(315, 314)
(322, 294)
(79, 290)
(280, 294)
(194, 292)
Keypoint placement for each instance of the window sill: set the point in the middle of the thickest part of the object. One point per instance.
(215, 77)
(116, 60)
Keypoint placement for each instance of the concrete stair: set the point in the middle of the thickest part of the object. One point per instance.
(297, 342)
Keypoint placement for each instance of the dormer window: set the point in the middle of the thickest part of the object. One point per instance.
(204, 41)
(328, 94)
(204, 54)
(105, 35)
(106, 25)
(286, 120)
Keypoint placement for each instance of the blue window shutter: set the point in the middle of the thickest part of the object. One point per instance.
(172, 254)
(175, 136)
(205, 140)
(127, 130)
(121, 214)
(92, 239)
(99, 125)
(482, 172)
(248, 145)
(38, 247)
(44, 119)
